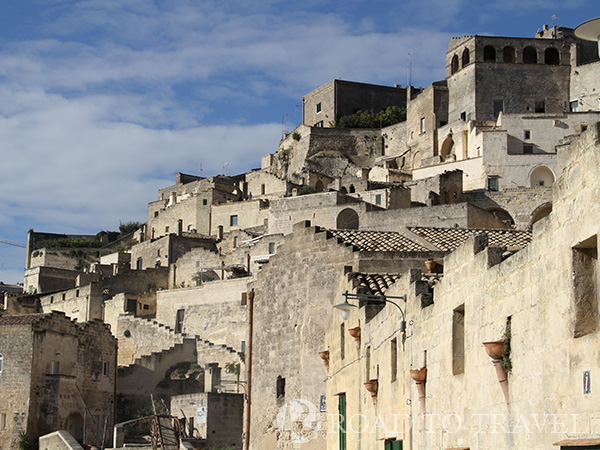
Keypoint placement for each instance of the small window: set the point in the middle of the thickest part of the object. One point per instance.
(342, 342)
(138, 264)
(55, 368)
(243, 349)
(235, 241)
(272, 248)
(1, 362)
(498, 108)
(3, 421)
(204, 202)
(280, 386)
(378, 199)
(368, 363)
(394, 359)
(526, 134)
(64, 296)
(463, 116)
(412, 134)
(146, 306)
(574, 106)
(540, 106)
(465, 57)
(454, 64)
(166, 229)
(527, 149)
(318, 107)
(155, 213)
(422, 124)
(319, 124)
(393, 444)
(493, 184)
(77, 293)
(489, 53)
(262, 189)
(233, 220)
(583, 127)
(51, 299)
(106, 366)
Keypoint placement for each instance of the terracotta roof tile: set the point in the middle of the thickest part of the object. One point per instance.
(449, 239)
(378, 241)
(373, 284)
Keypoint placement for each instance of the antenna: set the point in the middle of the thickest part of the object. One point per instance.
(409, 70)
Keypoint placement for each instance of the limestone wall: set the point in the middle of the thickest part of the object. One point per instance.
(584, 79)
(247, 214)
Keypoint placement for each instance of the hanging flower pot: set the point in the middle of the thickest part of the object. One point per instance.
(355, 333)
(430, 264)
(372, 386)
(496, 350)
(419, 376)
(325, 357)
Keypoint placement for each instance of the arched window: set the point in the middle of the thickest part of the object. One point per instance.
(465, 57)
(319, 186)
(529, 55)
(347, 219)
(454, 66)
(447, 147)
(542, 176)
(489, 53)
(541, 212)
(509, 54)
(551, 56)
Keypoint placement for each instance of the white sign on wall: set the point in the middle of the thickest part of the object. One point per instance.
(202, 415)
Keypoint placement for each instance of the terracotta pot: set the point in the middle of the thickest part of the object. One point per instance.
(371, 386)
(419, 374)
(325, 357)
(430, 264)
(354, 332)
(495, 349)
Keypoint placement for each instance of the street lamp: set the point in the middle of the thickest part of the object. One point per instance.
(370, 299)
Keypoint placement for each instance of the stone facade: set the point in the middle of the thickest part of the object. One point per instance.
(56, 374)
(485, 295)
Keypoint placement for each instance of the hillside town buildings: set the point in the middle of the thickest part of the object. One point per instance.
(476, 216)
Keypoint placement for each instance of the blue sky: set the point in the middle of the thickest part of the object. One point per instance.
(103, 101)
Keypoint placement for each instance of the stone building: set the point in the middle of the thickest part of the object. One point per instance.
(56, 374)
(434, 384)
(339, 98)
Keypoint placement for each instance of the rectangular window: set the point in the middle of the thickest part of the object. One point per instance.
(166, 229)
(106, 369)
(342, 342)
(422, 125)
(64, 296)
(527, 149)
(1, 362)
(526, 134)
(204, 202)
(155, 213)
(235, 241)
(393, 444)
(574, 106)
(463, 116)
(458, 340)
(3, 421)
(368, 363)
(262, 189)
(138, 264)
(378, 199)
(55, 368)
(319, 124)
(342, 420)
(272, 248)
(585, 287)
(319, 107)
(394, 359)
(493, 184)
(540, 106)
(179, 320)
(498, 108)
(243, 350)
(233, 220)
(96, 420)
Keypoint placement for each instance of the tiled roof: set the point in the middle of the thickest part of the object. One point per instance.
(373, 284)
(378, 241)
(26, 319)
(449, 239)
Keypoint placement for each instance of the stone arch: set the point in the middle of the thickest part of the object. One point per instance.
(465, 57)
(319, 186)
(551, 56)
(454, 64)
(540, 212)
(343, 190)
(447, 148)
(529, 55)
(489, 53)
(508, 54)
(74, 425)
(416, 160)
(541, 176)
(503, 215)
(347, 219)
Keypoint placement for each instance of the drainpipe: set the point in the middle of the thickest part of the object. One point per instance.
(246, 444)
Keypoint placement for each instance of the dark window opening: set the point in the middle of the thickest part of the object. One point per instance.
(498, 108)
(393, 444)
(454, 64)
(155, 213)
(489, 53)
(138, 264)
(552, 57)
(179, 320)
(204, 202)
(342, 342)
(508, 54)
(280, 386)
(540, 106)
(233, 220)
(493, 184)
(528, 149)
(319, 107)
(394, 359)
(529, 55)
(463, 116)
(585, 287)
(527, 134)
(465, 57)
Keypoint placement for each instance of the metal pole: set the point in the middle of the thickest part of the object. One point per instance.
(246, 445)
